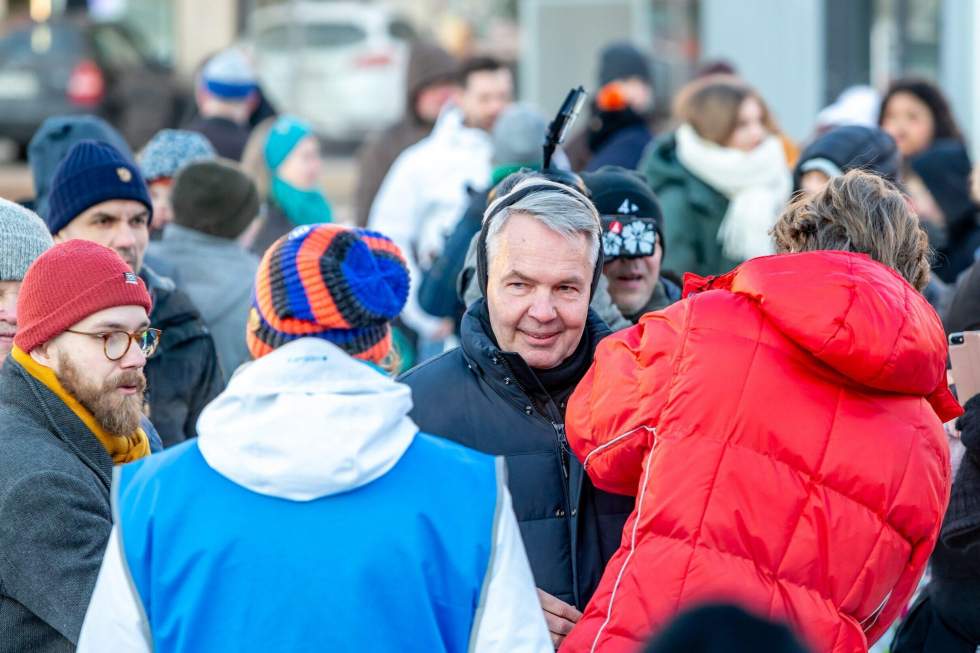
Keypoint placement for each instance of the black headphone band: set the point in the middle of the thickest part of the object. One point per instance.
(512, 198)
(516, 196)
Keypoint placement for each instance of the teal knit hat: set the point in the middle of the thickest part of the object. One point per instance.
(286, 133)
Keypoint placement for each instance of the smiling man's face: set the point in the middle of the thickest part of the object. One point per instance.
(538, 291)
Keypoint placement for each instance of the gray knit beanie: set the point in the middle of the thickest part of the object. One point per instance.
(23, 237)
(518, 137)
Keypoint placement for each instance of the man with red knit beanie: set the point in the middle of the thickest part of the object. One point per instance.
(71, 402)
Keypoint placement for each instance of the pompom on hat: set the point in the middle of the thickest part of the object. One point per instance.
(332, 282)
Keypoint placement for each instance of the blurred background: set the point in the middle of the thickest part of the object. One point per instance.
(341, 64)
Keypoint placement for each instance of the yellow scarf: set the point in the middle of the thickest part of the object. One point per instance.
(122, 450)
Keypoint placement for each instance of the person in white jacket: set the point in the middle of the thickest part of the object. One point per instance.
(310, 513)
(426, 191)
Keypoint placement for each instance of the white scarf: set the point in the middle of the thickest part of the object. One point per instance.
(757, 185)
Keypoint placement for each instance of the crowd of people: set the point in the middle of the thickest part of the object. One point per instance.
(684, 388)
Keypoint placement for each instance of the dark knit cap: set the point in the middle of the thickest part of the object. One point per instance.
(850, 147)
(945, 170)
(724, 629)
(622, 61)
(90, 174)
(215, 198)
(623, 197)
(332, 282)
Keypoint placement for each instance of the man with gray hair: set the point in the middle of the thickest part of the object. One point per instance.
(23, 237)
(524, 348)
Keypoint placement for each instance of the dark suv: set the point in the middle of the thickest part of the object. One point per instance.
(73, 65)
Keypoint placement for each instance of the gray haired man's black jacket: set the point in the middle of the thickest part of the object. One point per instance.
(491, 401)
(54, 516)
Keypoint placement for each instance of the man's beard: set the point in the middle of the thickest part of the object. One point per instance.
(118, 414)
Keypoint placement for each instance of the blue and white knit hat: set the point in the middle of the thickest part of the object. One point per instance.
(229, 75)
(172, 149)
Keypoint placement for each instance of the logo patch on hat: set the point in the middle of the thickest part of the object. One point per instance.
(627, 207)
(125, 176)
(130, 278)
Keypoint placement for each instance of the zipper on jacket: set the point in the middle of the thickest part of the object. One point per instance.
(559, 428)
(554, 417)
(563, 447)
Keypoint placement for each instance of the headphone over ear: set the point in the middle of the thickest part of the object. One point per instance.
(533, 184)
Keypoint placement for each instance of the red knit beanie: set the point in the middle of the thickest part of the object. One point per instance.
(69, 282)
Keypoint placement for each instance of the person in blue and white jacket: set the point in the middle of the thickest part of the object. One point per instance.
(310, 513)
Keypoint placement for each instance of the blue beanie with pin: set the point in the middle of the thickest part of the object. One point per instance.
(90, 174)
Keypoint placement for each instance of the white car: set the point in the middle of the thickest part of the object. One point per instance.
(339, 65)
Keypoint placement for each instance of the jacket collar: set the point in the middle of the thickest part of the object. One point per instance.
(22, 391)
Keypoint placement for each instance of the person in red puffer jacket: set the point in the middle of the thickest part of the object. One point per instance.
(781, 428)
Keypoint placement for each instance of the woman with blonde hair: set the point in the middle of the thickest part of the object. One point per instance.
(782, 430)
(722, 176)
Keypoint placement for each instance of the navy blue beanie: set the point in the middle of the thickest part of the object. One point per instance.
(91, 173)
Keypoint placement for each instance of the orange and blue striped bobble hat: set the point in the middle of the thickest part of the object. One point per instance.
(328, 281)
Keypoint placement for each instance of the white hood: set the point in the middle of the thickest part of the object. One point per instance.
(306, 421)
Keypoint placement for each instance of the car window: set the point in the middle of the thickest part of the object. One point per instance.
(320, 35)
(115, 49)
(39, 42)
(399, 29)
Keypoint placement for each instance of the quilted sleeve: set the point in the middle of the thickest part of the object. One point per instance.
(899, 598)
(935, 499)
(613, 415)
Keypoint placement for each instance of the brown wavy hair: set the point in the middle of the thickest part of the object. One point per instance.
(710, 104)
(858, 212)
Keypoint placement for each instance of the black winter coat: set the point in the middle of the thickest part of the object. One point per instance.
(491, 401)
(228, 137)
(54, 516)
(947, 617)
(945, 169)
(183, 376)
(617, 138)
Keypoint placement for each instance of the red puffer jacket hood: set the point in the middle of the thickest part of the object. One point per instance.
(781, 428)
(853, 314)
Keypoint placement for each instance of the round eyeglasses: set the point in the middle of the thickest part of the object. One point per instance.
(116, 344)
